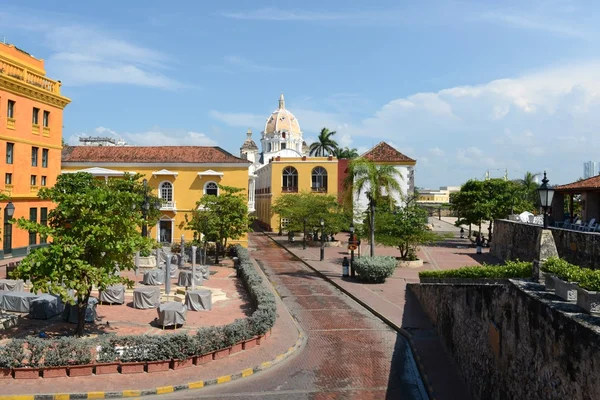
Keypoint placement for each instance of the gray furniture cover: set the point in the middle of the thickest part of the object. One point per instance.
(17, 301)
(204, 270)
(173, 270)
(185, 278)
(11, 285)
(154, 277)
(171, 313)
(113, 294)
(198, 300)
(146, 297)
(46, 306)
(70, 312)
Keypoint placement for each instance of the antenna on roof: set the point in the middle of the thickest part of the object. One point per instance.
(4, 39)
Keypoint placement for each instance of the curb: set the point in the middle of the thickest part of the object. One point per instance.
(401, 331)
(176, 388)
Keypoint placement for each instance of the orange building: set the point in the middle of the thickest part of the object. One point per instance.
(31, 114)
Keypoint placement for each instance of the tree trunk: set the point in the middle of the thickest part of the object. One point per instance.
(372, 240)
(81, 309)
(490, 229)
(217, 250)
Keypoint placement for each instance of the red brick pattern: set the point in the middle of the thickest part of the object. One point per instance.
(383, 152)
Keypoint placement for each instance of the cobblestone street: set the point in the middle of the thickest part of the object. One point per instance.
(349, 354)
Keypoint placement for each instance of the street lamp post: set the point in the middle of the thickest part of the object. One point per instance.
(10, 209)
(304, 236)
(546, 193)
(322, 239)
(352, 273)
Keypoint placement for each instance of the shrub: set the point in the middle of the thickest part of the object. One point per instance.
(236, 332)
(375, 269)
(182, 346)
(36, 348)
(12, 354)
(210, 339)
(511, 269)
(562, 269)
(106, 350)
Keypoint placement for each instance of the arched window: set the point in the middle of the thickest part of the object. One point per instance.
(290, 179)
(211, 188)
(166, 191)
(319, 179)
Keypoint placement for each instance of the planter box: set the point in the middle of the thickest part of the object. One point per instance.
(133, 367)
(81, 370)
(548, 281)
(26, 373)
(249, 344)
(466, 281)
(179, 364)
(156, 366)
(565, 290)
(236, 348)
(260, 340)
(409, 264)
(589, 301)
(5, 373)
(203, 359)
(268, 334)
(107, 368)
(221, 353)
(54, 372)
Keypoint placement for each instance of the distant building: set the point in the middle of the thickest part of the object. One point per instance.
(438, 196)
(101, 141)
(590, 169)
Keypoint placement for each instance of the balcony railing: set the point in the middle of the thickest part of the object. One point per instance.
(319, 189)
(289, 189)
(32, 78)
(168, 206)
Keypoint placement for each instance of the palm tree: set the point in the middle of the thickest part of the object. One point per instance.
(346, 152)
(380, 181)
(324, 144)
(529, 186)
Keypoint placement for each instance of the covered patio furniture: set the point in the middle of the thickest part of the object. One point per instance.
(17, 301)
(70, 312)
(113, 295)
(46, 306)
(198, 300)
(12, 285)
(171, 314)
(185, 279)
(154, 277)
(204, 271)
(146, 297)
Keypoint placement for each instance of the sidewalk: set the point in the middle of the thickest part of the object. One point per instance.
(390, 300)
(284, 336)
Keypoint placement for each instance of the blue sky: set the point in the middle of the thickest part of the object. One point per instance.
(462, 86)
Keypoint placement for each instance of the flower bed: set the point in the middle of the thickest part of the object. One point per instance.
(510, 270)
(134, 352)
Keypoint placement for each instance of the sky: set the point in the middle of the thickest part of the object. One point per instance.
(463, 87)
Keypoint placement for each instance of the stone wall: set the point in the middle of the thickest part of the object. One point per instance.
(513, 240)
(515, 341)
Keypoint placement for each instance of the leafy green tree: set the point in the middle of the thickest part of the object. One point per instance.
(2, 198)
(404, 228)
(346, 152)
(324, 145)
(222, 218)
(529, 188)
(95, 230)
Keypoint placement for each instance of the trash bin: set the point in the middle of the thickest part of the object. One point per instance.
(345, 267)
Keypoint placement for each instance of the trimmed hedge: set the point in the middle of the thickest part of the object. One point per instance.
(375, 269)
(511, 269)
(585, 278)
(37, 352)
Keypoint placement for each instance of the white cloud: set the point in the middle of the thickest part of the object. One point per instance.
(251, 65)
(87, 54)
(436, 151)
(153, 137)
(283, 15)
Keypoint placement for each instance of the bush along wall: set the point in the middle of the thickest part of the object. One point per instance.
(36, 354)
(510, 270)
(375, 269)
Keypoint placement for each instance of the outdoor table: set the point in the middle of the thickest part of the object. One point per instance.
(185, 279)
(154, 277)
(46, 306)
(17, 301)
(204, 271)
(146, 297)
(171, 313)
(113, 294)
(198, 300)
(70, 312)
(11, 285)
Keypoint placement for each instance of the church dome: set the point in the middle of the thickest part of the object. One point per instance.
(282, 121)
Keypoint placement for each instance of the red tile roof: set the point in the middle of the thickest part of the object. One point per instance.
(149, 154)
(383, 152)
(585, 184)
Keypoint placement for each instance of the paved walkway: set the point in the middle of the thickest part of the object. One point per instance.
(391, 301)
(349, 354)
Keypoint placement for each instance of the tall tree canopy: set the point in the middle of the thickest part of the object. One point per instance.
(380, 180)
(346, 152)
(325, 145)
(94, 231)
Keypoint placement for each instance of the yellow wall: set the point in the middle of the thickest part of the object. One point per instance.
(188, 188)
(23, 80)
(305, 167)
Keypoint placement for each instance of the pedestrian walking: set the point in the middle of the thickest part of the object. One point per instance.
(478, 243)
(462, 233)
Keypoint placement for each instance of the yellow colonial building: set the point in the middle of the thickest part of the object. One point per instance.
(179, 175)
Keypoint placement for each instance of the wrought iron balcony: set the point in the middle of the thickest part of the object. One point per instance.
(168, 205)
(289, 189)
